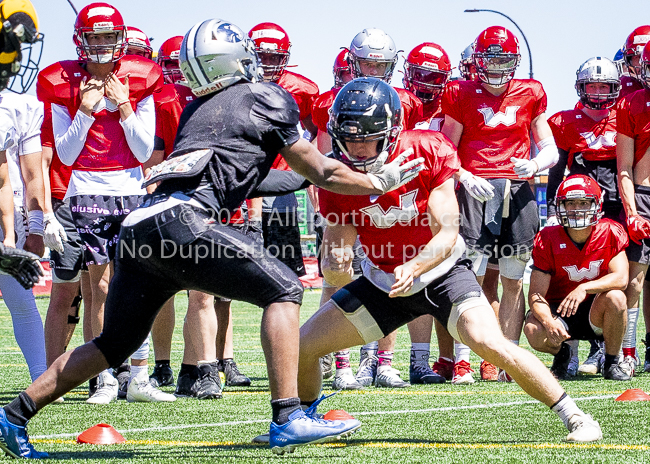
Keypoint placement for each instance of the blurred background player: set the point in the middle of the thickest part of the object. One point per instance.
(491, 122)
(579, 274)
(586, 141)
(22, 188)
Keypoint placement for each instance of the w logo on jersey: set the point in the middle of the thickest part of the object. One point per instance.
(386, 219)
(608, 139)
(493, 120)
(578, 275)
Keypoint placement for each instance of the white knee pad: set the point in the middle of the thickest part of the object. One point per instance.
(458, 309)
(479, 261)
(513, 267)
(143, 351)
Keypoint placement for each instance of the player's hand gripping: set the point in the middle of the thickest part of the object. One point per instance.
(22, 265)
(638, 228)
(569, 305)
(404, 277)
(387, 177)
(117, 92)
(477, 187)
(557, 332)
(54, 235)
(525, 169)
(91, 91)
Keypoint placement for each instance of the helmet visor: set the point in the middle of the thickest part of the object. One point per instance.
(497, 63)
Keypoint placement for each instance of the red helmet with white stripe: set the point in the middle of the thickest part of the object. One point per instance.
(137, 43)
(341, 69)
(427, 70)
(168, 59)
(579, 187)
(496, 56)
(100, 19)
(633, 48)
(272, 46)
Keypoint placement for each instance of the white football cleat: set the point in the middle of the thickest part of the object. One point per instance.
(345, 380)
(628, 365)
(142, 391)
(583, 429)
(106, 392)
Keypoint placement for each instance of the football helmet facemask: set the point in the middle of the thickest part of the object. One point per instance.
(598, 70)
(21, 45)
(100, 19)
(579, 187)
(365, 110)
(496, 56)
(273, 49)
(427, 70)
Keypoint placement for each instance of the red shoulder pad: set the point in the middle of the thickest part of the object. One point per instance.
(145, 76)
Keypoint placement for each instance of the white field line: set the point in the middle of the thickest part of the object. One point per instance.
(362, 413)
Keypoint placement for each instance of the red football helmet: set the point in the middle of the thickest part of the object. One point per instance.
(137, 43)
(427, 70)
(99, 19)
(496, 56)
(579, 187)
(633, 47)
(272, 46)
(341, 69)
(644, 64)
(168, 59)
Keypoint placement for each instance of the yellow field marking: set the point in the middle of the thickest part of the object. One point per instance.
(386, 445)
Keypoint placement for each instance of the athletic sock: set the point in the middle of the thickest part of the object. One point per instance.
(370, 348)
(162, 362)
(384, 358)
(306, 404)
(629, 340)
(283, 408)
(21, 409)
(141, 373)
(420, 353)
(565, 408)
(342, 360)
(610, 359)
(189, 369)
(462, 352)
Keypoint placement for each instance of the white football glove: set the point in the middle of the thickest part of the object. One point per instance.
(387, 177)
(54, 235)
(477, 187)
(552, 221)
(524, 169)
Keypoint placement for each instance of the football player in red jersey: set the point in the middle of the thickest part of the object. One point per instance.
(631, 81)
(466, 65)
(415, 255)
(633, 163)
(586, 141)
(579, 273)
(103, 124)
(491, 121)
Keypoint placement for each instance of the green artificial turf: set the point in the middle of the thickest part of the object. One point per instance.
(488, 428)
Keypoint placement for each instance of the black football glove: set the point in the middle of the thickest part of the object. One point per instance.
(21, 265)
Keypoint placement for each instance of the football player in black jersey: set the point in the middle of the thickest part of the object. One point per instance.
(226, 142)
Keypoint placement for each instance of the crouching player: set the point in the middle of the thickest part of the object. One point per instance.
(415, 258)
(579, 273)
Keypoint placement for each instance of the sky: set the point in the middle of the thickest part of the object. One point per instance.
(562, 34)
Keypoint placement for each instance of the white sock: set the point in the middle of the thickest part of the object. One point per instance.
(629, 340)
(566, 408)
(420, 353)
(462, 352)
(140, 373)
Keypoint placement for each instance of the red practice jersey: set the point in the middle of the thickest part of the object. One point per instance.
(185, 94)
(320, 112)
(301, 89)
(59, 172)
(633, 120)
(432, 118)
(395, 226)
(495, 129)
(555, 253)
(575, 132)
(629, 85)
(106, 148)
(168, 115)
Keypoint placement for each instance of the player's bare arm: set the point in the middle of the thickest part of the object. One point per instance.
(6, 203)
(337, 253)
(444, 216)
(32, 172)
(540, 309)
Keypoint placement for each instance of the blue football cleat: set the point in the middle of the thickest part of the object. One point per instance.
(14, 440)
(305, 430)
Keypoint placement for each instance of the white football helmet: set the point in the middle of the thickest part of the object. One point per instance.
(376, 47)
(598, 70)
(216, 54)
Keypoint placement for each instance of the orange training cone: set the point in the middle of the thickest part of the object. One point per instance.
(101, 434)
(633, 394)
(337, 414)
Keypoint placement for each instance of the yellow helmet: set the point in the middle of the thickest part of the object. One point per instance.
(18, 59)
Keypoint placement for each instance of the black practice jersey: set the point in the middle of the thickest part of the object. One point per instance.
(245, 125)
